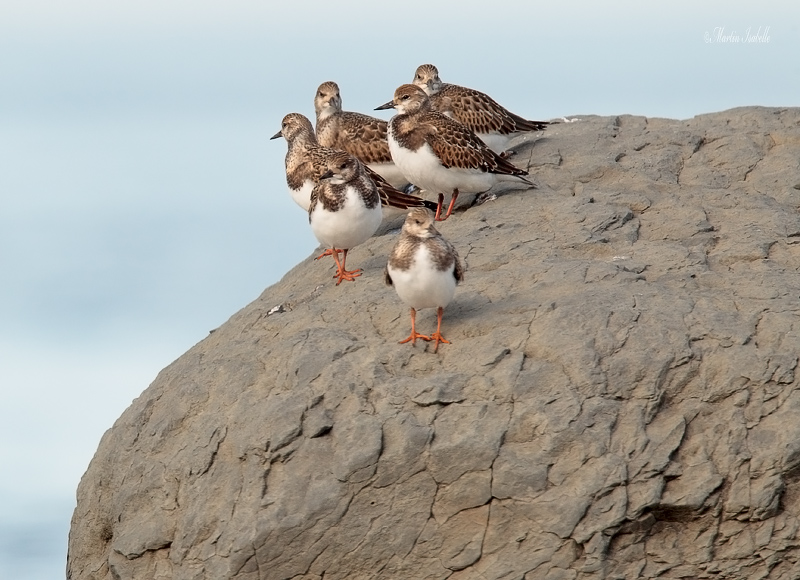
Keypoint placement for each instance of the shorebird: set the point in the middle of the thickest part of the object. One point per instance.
(490, 121)
(424, 269)
(439, 154)
(306, 160)
(345, 209)
(360, 135)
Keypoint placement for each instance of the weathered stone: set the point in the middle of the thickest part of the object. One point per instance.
(620, 398)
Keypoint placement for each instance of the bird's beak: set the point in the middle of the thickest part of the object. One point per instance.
(276, 135)
(327, 175)
(389, 105)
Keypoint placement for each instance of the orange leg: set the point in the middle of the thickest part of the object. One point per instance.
(452, 204)
(414, 336)
(341, 273)
(437, 336)
(328, 252)
(438, 217)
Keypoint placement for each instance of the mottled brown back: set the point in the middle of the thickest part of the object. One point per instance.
(360, 135)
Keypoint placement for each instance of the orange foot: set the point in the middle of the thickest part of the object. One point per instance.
(348, 275)
(328, 252)
(438, 338)
(341, 272)
(414, 336)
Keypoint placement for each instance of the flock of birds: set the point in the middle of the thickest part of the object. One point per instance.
(444, 138)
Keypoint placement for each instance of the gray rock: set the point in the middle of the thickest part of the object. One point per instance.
(620, 398)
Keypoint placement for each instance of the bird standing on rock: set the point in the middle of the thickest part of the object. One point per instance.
(439, 154)
(494, 124)
(345, 209)
(424, 269)
(306, 160)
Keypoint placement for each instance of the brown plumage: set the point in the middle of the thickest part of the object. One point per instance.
(437, 153)
(360, 135)
(481, 113)
(453, 143)
(306, 160)
(424, 269)
(331, 195)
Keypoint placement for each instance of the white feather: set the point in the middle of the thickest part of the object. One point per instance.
(351, 225)
(302, 196)
(423, 285)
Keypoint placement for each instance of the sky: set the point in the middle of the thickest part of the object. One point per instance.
(142, 203)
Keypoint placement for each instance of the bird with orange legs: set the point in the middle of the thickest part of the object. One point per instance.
(345, 209)
(424, 269)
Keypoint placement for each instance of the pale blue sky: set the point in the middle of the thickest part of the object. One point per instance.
(143, 204)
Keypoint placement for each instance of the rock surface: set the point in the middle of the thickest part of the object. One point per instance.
(620, 398)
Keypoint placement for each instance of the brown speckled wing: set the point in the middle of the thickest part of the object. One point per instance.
(391, 197)
(361, 136)
(481, 113)
(330, 195)
(298, 170)
(457, 146)
(366, 189)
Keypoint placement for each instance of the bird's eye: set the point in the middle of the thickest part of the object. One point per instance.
(343, 165)
(404, 97)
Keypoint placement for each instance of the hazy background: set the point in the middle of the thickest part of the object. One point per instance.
(143, 204)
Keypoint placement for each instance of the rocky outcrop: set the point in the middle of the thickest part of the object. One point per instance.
(620, 398)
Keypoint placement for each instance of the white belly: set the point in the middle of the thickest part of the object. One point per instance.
(422, 285)
(423, 169)
(302, 196)
(351, 225)
(495, 141)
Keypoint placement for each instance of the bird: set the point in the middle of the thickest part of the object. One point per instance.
(301, 172)
(490, 121)
(306, 160)
(345, 209)
(360, 135)
(438, 154)
(424, 269)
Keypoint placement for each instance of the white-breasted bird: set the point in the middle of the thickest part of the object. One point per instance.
(424, 269)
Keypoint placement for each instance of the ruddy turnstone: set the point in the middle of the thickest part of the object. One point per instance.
(345, 209)
(424, 269)
(439, 154)
(360, 135)
(306, 160)
(492, 122)
(301, 173)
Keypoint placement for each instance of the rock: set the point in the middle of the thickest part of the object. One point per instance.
(620, 398)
